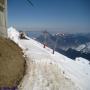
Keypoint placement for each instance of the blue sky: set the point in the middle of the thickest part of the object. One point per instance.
(62, 15)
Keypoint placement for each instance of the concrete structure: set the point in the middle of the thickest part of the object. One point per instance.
(3, 19)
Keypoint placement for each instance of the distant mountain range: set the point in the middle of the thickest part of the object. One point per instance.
(71, 45)
(65, 41)
(72, 53)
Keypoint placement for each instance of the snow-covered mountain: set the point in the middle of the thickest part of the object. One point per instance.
(47, 71)
(84, 48)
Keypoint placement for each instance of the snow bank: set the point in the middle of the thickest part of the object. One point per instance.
(82, 61)
(13, 34)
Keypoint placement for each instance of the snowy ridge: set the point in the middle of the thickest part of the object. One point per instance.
(77, 71)
(84, 47)
(79, 48)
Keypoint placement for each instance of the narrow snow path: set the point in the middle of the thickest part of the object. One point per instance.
(46, 77)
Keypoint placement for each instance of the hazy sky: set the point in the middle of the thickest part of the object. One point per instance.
(63, 15)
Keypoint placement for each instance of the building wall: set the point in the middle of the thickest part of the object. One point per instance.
(3, 13)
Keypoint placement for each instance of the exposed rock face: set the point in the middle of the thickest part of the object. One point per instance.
(12, 64)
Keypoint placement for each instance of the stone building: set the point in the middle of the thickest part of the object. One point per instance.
(3, 19)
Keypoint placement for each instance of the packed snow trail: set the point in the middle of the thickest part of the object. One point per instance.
(51, 72)
(46, 77)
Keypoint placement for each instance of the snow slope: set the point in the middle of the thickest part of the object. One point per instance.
(50, 72)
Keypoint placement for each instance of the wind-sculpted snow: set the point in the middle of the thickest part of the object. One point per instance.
(46, 71)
